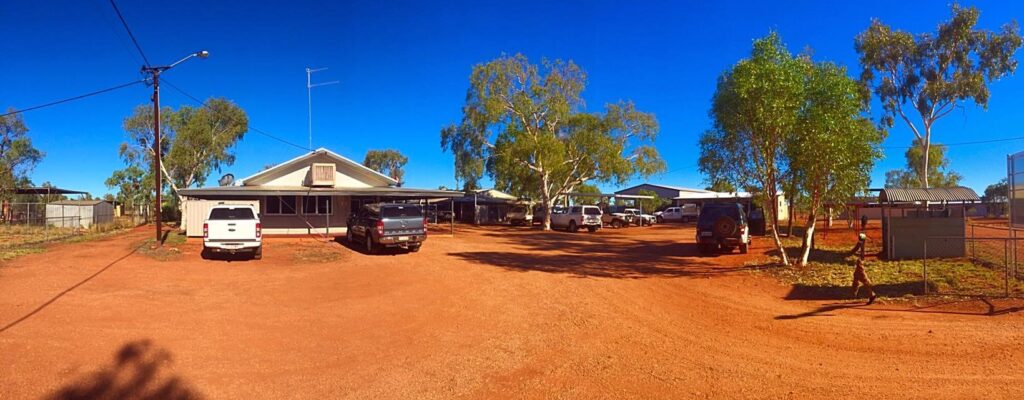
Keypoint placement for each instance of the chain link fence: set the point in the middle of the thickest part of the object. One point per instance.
(986, 261)
(27, 224)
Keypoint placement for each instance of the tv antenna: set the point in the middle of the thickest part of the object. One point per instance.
(309, 97)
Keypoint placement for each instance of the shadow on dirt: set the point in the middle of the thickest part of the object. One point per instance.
(818, 292)
(595, 255)
(221, 256)
(986, 307)
(823, 311)
(68, 290)
(361, 248)
(138, 371)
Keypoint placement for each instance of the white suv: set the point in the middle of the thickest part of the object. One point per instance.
(576, 217)
(686, 213)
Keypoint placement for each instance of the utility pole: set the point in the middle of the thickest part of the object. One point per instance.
(309, 97)
(154, 73)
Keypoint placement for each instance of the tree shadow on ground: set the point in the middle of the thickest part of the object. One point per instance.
(957, 307)
(596, 255)
(801, 291)
(138, 371)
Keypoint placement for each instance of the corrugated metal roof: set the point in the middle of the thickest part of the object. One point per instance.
(302, 191)
(957, 194)
(77, 202)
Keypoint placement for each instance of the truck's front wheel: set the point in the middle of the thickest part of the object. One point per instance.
(572, 227)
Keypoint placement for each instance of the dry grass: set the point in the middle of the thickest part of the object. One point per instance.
(169, 251)
(18, 240)
(832, 267)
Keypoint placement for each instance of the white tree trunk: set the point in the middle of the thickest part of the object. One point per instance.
(808, 240)
(927, 149)
(773, 220)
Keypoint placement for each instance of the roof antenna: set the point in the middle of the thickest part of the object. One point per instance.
(309, 96)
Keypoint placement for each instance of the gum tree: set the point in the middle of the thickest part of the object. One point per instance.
(933, 73)
(195, 141)
(755, 110)
(525, 126)
(17, 155)
(388, 162)
(834, 145)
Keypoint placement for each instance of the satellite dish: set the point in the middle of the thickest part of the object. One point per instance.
(227, 180)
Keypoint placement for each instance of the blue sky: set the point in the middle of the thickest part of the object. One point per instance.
(404, 70)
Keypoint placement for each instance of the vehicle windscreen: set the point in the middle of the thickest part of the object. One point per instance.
(592, 211)
(409, 211)
(228, 214)
(519, 209)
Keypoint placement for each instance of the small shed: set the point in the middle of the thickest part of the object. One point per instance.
(79, 213)
(911, 215)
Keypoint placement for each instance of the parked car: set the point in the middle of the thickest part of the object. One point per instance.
(723, 227)
(386, 225)
(684, 213)
(520, 215)
(539, 212)
(233, 228)
(639, 218)
(616, 217)
(577, 217)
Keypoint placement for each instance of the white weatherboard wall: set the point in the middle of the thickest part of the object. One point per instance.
(196, 212)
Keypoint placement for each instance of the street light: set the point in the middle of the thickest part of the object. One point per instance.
(154, 73)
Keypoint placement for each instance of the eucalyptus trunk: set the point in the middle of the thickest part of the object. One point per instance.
(772, 197)
(808, 241)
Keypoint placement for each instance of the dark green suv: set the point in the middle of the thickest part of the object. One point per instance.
(723, 227)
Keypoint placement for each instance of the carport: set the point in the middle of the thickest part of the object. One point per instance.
(605, 197)
(911, 215)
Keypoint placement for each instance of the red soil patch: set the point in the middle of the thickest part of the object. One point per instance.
(491, 312)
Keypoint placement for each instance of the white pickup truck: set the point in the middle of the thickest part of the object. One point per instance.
(233, 228)
(577, 217)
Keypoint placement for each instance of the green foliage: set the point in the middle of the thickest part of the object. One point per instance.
(933, 73)
(997, 192)
(939, 174)
(195, 141)
(586, 200)
(17, 155)
(133, 186)
(834, 147)
(524, 124)
(652, 205)
(388, 162)
(784, 122)
(720, 185)
(756, 108)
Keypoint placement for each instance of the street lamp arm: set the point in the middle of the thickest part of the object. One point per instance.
(200, 54)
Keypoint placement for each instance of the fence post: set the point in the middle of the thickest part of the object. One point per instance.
(1006, 268)
(1013, 233)
(974, 256)
(924, 266)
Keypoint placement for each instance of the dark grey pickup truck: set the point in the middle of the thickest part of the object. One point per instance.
(388, 225)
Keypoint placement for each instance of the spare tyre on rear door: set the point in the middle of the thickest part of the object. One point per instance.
(723, 227)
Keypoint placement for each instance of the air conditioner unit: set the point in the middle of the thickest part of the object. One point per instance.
(321, 174)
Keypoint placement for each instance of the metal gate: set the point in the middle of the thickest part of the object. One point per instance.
(990, 266)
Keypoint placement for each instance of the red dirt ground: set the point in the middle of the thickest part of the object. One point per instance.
(490, 313)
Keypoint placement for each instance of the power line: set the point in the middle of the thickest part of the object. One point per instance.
(252, 128)
(53, 103)
(964, 143)
(130, 34)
